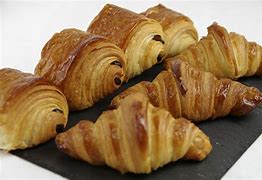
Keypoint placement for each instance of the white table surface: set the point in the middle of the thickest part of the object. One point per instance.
(25, 26)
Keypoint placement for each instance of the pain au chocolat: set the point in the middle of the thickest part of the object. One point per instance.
(85, 66)
(179, 30)
(31, 110)
(140, 37)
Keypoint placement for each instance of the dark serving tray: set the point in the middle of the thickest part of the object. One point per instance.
(230, 137)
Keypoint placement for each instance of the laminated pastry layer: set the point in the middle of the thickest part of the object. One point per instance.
(226, 55)
(31, 110)
(194, 94)
(86, 67)
(141, 38)
(136, 137)
(179, 30)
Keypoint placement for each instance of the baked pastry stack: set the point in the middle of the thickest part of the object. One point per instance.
(141, 38)
(145, 127)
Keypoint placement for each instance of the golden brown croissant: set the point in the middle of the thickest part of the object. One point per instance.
(194, 94)
(86, 67)
(31, 110)
(179, 31)
(227, 55)
(136, 137)
(141, 38)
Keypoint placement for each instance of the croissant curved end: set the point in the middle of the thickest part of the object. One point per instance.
(250, 100)
(62, 144)
(199, 148)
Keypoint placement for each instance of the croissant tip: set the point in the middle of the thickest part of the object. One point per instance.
(61, 142)
(257, 98)
(200, 149)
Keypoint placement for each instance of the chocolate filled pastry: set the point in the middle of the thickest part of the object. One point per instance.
(141, 38)
(86, 67)
(136, 137)
(179, 30)
(31, 110)
(194, 94)
(226, 55)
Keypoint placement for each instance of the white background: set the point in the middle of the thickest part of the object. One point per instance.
(25, 26)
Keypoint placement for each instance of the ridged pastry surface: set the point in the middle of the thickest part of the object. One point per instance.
(31, 110)
(194, 94)
(179, 30)
(86, 67)
(225, 54)
(136, 137)
(140, 37)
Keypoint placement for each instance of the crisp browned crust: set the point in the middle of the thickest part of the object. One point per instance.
(194, 94)
(136, 137)
(141, 38)
(165, 16)
(16, 83)
(31, 110)
(59, 60)
(86, 67)
(116, 23)
(225, 54)
(179, 30)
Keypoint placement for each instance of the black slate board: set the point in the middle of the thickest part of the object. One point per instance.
(230, 137)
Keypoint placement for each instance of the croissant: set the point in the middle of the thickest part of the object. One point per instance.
(31, 110)
(86, 67)
(141, 38)
(226, 55)
(179, 31)
(136, 137)
(194, 94)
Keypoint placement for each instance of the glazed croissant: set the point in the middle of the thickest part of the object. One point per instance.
(194, 94)
(225, 54)
(86, 67)
(136, 137)
(179, 31)
(141, 38)
(31, 110)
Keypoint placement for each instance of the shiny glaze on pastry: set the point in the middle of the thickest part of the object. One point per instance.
(31, 110)
(226, 55)
(179, 30)
(86, 67)
(141, 38)
(194, 94)
(136, 137)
